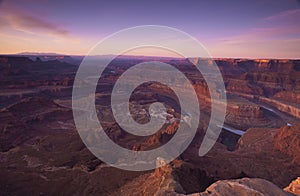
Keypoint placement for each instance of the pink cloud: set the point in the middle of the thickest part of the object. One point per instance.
(285, 23)
(274, 36)
(287, 16)
(14, 18)
(281, 26)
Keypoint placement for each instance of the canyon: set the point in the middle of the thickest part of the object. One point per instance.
(41, 151)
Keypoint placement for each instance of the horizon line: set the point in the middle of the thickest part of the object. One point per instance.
(153, 56)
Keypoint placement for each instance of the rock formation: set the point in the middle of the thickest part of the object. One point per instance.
(241, 187)
(294, 187)
(287, 140)
(42, 153)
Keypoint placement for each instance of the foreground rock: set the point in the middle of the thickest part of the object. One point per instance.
(287, 140)
(244, 186)
(255, 157)
(176, 177)
(294, 187)
(240, 187)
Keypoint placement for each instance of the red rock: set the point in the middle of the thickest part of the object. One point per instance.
(287, 140)
(294, 187)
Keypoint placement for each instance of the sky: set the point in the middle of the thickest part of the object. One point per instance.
(231, 28)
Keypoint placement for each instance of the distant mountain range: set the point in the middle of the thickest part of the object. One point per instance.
(39, 54)
(77, 59)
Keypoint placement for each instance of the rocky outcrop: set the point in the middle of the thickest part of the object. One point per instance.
(294, 187)
(287, 141)
(244, 186)
(237, 85)
(262, 77)
(284, 107)
(257, 140)
(176, 177)
(290, 96)
(22, 72)
(169, 180)
(19, 119)
(244, 114)
(255, 157)
(240, 187)
(246, 111)
(159, 138)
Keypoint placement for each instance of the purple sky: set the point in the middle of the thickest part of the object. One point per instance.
(255, 29)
